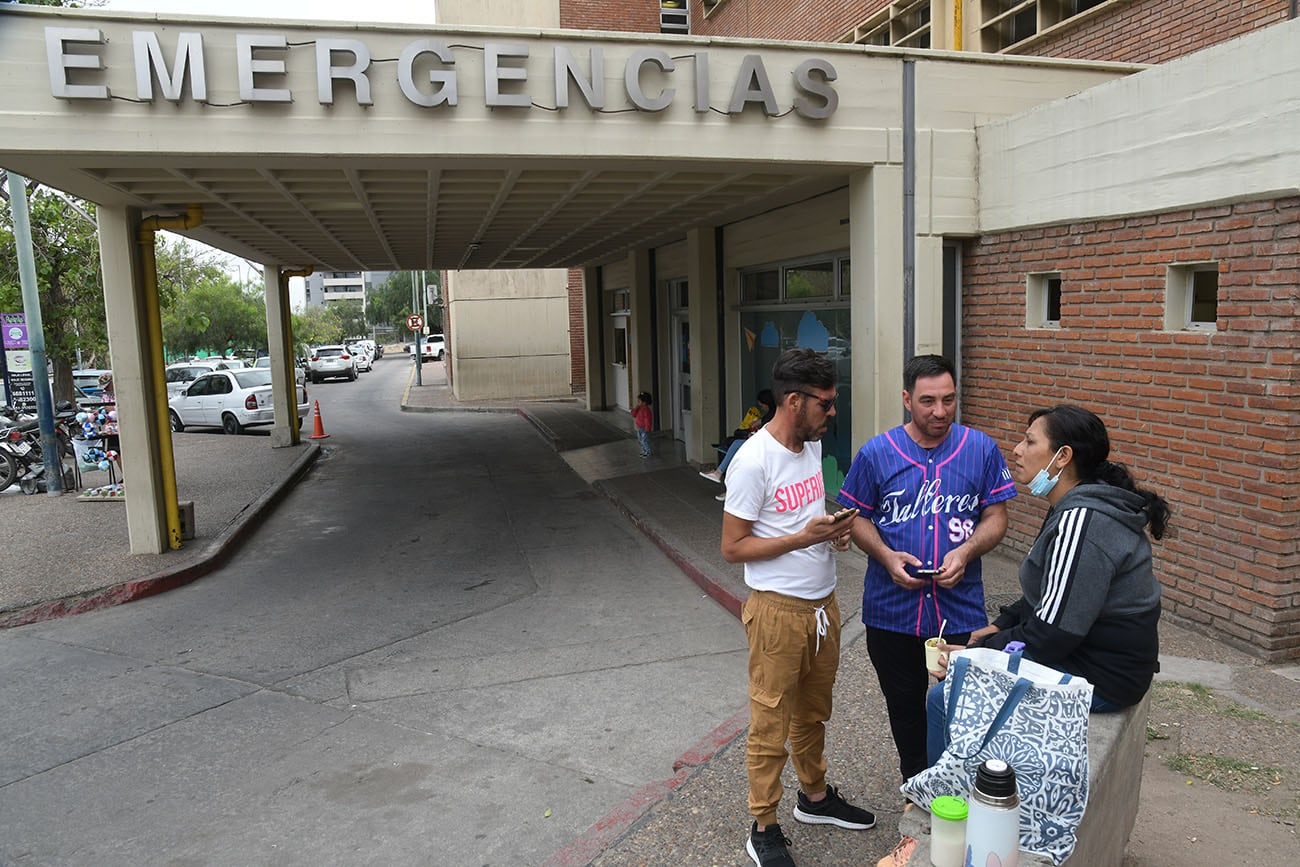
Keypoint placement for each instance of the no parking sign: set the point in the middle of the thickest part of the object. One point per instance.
(415, 322)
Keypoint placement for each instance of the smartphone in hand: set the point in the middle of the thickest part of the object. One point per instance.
(843, 513)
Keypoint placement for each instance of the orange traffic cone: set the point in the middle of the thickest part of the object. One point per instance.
(319, 432)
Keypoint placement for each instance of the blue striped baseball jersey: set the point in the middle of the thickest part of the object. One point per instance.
(926, 502)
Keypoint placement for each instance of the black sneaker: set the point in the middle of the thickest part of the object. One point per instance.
(768, 848)
(833, 810)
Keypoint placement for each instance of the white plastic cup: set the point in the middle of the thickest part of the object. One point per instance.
(933, 655)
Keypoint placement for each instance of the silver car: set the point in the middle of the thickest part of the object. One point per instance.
(331, 361)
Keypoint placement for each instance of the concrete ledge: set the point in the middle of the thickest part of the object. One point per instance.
(1116, 742)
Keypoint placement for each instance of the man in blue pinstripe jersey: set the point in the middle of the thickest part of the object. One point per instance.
(932, 498)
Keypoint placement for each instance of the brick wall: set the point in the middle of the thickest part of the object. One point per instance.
(637, 16)
(577, 334)
(796, 20)
(1211, 421)
(1154, 31)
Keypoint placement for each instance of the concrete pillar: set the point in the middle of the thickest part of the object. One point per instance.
(641, 355)
(706, 355)
(876, 251)
(279, 344)
(131, 351)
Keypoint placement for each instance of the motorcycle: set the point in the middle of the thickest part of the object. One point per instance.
(22, 459)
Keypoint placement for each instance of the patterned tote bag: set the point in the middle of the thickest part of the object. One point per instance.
(1034, 718)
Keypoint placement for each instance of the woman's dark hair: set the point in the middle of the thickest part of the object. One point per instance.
(796, 369)
(1085, 434)
(645, 398)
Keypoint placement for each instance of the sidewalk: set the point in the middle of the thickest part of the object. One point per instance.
(700, 816)
(63, 556)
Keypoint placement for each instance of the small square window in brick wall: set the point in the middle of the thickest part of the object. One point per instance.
(1209, 420)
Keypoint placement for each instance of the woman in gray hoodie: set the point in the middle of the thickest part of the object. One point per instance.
(1091, 601)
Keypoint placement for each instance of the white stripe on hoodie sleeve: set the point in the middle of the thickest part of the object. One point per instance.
(1061, 563)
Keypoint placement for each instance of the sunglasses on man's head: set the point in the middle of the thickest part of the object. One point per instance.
(824, 402)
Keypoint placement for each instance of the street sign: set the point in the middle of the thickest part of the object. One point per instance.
(415, 322)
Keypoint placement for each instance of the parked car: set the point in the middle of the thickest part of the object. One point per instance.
(331, 361)
(365, 359)
(87, 401)
(264, 363)
(88, 380)
(229, 399)
(182, 373)
(432, 346)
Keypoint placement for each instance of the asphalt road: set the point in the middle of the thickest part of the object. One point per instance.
(442, 648)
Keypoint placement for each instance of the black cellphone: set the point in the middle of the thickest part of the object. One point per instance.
(927, 573)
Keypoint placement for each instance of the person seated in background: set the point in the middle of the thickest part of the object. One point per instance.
(755, 418)
(1091, 603)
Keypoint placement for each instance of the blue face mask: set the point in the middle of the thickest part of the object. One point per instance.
(1042, 484)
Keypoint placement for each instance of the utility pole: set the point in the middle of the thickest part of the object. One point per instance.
(35, 334)
(417, 345)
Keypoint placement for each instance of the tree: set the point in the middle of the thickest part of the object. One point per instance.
(217, 316)
(317, 326)
(65, 247)
(390, 303)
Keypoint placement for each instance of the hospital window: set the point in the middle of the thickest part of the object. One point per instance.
(796, 282)
(1043, 301)
(1192, 296)
(904, 23)
(674, 16)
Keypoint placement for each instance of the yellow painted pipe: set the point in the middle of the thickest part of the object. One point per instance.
(957, 25)
(149, 228)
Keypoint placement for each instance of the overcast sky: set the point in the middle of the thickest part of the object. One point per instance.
(378, 11)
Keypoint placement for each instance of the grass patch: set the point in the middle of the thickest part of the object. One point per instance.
(1200, 699)
(1235, 775)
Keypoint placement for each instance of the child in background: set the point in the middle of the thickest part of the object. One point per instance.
(641, 415)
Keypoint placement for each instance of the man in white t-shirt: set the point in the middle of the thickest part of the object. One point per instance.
(775, 522)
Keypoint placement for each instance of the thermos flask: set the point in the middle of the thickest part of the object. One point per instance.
(993, 824)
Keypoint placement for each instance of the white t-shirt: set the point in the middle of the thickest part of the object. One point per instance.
(781, 491)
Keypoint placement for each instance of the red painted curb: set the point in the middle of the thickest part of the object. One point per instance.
(718, 592)
(608, 829)
(585, 847)
(218, 551)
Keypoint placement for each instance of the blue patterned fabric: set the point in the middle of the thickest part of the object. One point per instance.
(1001, 706)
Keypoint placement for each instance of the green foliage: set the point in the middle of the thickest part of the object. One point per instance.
(319, 325)
(65, 249)
(216, 316)
(391, 303)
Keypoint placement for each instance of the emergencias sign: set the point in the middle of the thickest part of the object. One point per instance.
(426, 74)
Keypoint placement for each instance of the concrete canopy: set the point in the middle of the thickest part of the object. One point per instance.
(360, 177)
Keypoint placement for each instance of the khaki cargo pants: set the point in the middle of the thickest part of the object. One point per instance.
(794, 653)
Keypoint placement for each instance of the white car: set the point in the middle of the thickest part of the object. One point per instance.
(333, 360)
(229, 399)
(365, 358)
(182, 373)
(264, 363)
